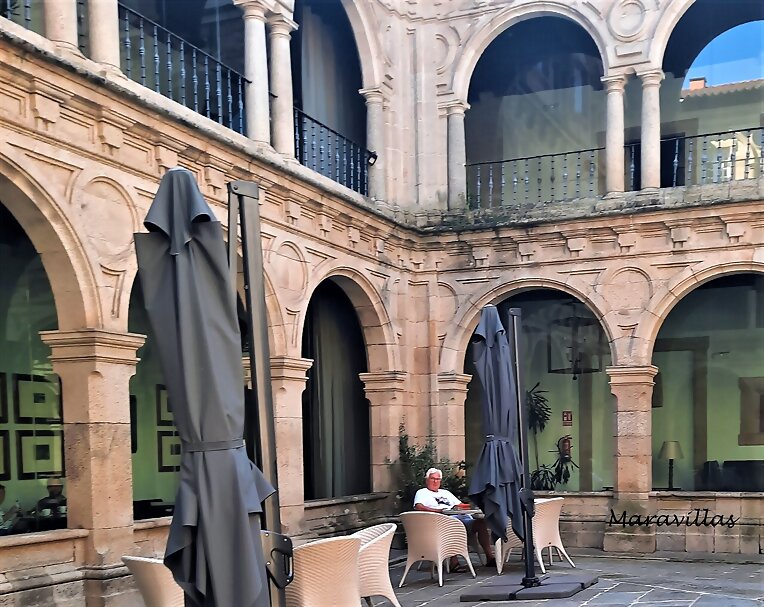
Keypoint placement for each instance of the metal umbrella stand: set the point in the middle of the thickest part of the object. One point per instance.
(512, 586)
(243, 211)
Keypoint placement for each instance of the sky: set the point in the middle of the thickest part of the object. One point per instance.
(735, 55)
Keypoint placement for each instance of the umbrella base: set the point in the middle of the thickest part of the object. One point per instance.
(509, 587)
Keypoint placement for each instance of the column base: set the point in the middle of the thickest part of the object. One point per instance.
(110, 588)
(625, 530)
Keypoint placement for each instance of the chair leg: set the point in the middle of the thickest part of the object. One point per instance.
(392, 598)
(405, 573)
(549, 550)
(440, 573)
(561, 550)
(469, 564)
(498, 554)
(540, 560)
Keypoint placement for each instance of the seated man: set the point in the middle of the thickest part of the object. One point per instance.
(434, 499)
(55, 498)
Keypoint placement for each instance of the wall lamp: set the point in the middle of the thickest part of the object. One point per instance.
(372, 158)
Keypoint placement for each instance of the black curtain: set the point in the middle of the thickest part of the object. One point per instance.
(336, 438)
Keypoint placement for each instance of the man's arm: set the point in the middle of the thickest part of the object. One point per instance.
(424, 508)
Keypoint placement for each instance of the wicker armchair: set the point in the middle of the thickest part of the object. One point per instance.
(434, 537)
(155, 582)
(546, 534)
(325, 573)
(373, 559)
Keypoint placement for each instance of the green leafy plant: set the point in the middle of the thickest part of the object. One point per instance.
(539, 413)
(412, 464)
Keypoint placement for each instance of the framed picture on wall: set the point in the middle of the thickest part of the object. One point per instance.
(3, 398)
(40, 453)
(168, 451)
(5, 455)
(36, 399)
(164, 413)
(133, 424)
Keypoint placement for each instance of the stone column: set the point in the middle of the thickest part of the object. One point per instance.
(61, 22)
(614, 137)
(448, 416)
(288, 378)
(103, 33)
(95, 367)
(282, 125)
(651, 129)
(256, 96)
(633, 391)
(386, 393)
(375, 141)
(457, 156)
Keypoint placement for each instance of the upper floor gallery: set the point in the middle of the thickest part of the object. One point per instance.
(448, 105)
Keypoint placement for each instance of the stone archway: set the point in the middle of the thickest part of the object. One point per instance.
(474, 48)
(370, 53)
(69, 271)
(466, 319)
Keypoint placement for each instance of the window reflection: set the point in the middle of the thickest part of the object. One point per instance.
(710, 352)
(32, 472)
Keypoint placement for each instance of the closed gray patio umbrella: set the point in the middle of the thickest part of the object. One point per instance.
(213, 549)
(495, 484)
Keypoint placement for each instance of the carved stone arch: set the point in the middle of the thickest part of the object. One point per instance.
(370, 54)
(468, 315)
(664, 302)
(473, 48)
(664, 28)
(381, 345)
(69, 271)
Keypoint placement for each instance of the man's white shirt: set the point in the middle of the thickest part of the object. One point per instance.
(440, 499)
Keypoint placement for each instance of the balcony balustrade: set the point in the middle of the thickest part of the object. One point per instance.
(685, 161)
(333, 155)
(535, 179)
(175, 68)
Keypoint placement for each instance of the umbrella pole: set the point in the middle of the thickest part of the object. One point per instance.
(245, 196)
(530, 580)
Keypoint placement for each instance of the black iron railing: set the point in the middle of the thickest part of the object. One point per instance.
(18, 11)
(534, 179)
(327, 152)
(168, 64)
(702, 159)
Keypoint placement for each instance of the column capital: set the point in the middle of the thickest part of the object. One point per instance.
(632, 375)
(284, 368)
(89, 344)
(383, 382)
(614, 83)
(281, 25)
(373, 95)
(651, 77)
(451, 380)
(253, 9)
(455, 107)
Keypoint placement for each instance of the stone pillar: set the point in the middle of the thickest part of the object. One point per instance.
(614, 137)
(633, 391)
(457, 156)
(282, 124)
(288, 378)
(448, 416)
(103, 33)
(386, 393)
(375, 141)
(61, 22)
(651, 129)
(256, 96)
(95, 367)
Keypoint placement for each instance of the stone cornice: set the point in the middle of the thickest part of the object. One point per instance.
(632, 375)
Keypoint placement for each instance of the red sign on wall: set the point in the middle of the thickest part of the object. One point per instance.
(567, 418)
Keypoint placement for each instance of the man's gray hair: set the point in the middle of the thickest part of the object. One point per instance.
(433, 471)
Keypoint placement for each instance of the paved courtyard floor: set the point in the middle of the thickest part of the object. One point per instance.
(659, 581)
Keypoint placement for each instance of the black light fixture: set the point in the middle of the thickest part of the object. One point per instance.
(372, 158)
(574, 342)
